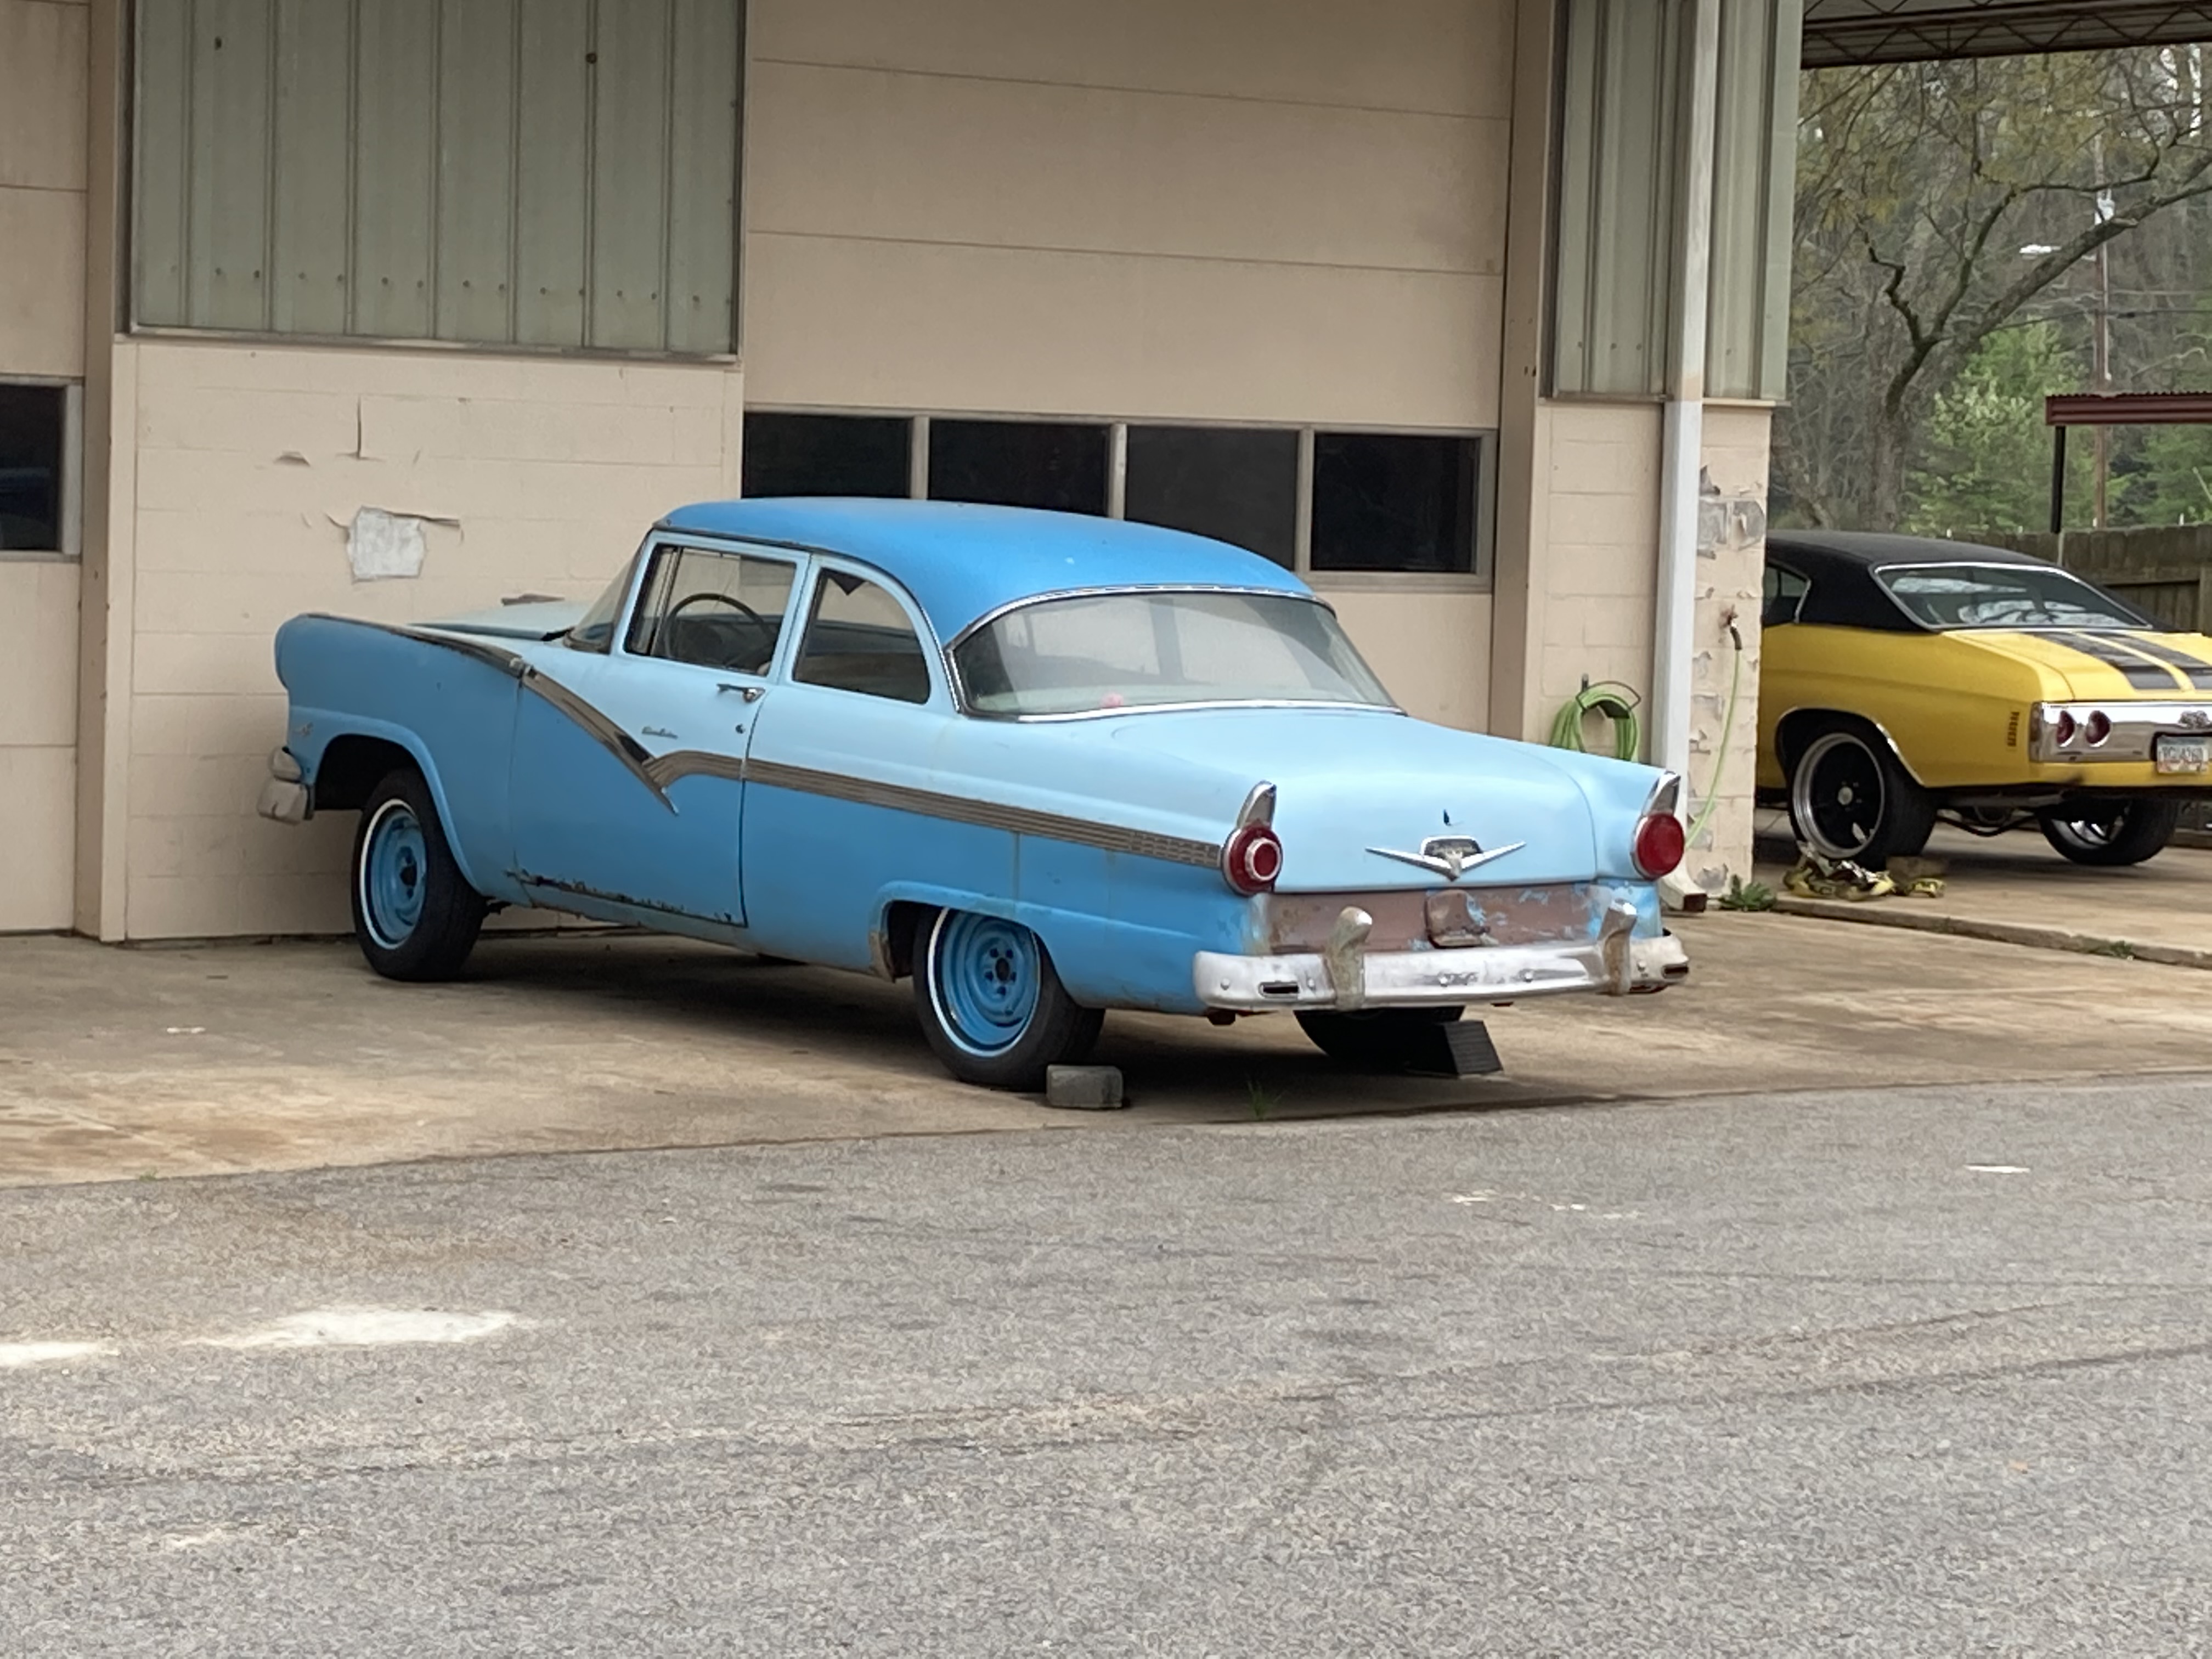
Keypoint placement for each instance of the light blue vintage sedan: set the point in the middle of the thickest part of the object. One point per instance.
(1047, 765)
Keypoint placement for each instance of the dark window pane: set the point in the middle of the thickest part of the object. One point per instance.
(1238, 486)
(827, 454)
(1389, 502)
(859, 639)
(31, 467)
(1019, 463)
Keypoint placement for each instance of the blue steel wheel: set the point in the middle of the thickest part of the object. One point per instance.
(414, 914)
(992, 1004)
(393, 873)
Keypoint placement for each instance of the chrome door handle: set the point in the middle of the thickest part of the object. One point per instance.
(749, 693)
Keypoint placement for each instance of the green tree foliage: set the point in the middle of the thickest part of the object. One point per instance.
(1946, 218)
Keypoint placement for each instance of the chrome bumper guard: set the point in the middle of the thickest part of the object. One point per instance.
(284, 797)
(1347, 976)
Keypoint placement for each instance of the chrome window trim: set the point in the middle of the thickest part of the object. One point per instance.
(1120, 591)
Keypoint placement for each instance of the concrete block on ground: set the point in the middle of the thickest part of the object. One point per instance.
(1084, 1088)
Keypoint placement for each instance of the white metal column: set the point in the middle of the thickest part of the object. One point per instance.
(1674, 640)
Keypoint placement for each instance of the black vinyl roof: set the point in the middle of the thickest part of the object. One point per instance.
(1839, 564)
(1866, 549)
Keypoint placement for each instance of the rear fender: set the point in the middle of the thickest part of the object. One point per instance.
(313, 732)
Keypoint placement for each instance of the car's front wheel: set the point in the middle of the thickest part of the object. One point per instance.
(992, 1005)
(1850, 799)
(414, 914)
(2117, 833)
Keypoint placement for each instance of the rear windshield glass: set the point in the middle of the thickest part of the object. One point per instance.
(1090, 652)
(2003, 596)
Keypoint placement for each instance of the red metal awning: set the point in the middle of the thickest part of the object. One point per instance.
(2130, 409)
(1839, 32)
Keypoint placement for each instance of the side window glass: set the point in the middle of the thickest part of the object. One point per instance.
(713, 610)
(859, 639)
(1783, 594)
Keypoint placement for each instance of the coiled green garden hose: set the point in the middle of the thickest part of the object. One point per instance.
(1610, 698)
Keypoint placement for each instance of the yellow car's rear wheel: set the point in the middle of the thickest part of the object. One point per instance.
(1849, 799)
(2114, 833)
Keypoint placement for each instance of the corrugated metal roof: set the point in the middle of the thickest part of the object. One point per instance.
(2128, 408)
(1838, 31)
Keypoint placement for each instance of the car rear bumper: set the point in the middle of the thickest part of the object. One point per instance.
(1346, 975)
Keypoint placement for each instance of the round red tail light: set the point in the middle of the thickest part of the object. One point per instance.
(1252, 859)
(2097, 728)
(2066, 728)
(1661, 842)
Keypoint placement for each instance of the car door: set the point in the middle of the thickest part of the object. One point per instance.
(844, 796)
(629, 764)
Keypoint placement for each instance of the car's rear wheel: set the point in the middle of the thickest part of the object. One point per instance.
(1849, 798)
(414, 915)
(1372, 1039)
(2117, 833)
(992, 1005)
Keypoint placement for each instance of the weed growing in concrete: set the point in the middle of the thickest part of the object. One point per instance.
(1260, 1099)
(1743, 895)
(2118, 947)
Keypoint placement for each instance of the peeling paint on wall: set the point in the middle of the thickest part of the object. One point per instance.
(381, 546)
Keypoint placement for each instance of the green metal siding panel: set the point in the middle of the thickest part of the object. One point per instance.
(703, 173)
(1781, 200)
(1753, 159)
(227, 277)
(629, 173)
(553, 129)
(1635, 197)
(476, 170)
(1616, 195)
(311, 240)
(160, 242)
(395, 167)
(550, 173)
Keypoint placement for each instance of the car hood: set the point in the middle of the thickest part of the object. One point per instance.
(1348, 781)
(2106, 665)
(531, 617)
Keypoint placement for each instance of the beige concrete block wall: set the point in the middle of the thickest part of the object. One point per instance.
(37, 743)
(43, 127)
(1731, 555)
(1595, 569)
(248, 463)
(43, 66)
(1267, 211)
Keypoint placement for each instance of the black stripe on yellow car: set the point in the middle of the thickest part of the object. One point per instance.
(2144, 673)
(2194, 669)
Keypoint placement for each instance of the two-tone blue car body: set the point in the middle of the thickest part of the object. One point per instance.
(1049, 765)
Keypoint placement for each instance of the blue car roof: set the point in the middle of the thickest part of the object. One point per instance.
(961, 562)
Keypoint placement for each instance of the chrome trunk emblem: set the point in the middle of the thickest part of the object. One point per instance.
(1449, 856)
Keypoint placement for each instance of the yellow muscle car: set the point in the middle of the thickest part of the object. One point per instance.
(1906, 679)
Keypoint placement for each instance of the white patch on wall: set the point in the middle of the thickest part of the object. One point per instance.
(13, 1354)
(381, 546)
(366, 1328)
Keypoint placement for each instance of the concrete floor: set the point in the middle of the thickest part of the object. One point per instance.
(1913, 1374)
(119, 1064)
(2016, 880)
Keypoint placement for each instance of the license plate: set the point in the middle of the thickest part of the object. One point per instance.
(2183, 754)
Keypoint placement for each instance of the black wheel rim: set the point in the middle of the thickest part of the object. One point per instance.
(1841, 796)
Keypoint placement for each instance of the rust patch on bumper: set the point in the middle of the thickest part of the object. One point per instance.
(1450, 918)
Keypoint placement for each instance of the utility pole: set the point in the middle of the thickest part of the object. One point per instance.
(2102, 347)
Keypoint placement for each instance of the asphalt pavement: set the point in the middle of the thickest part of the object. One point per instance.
(1907, 1373)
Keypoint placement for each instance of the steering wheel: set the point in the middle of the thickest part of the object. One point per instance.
(749, 664)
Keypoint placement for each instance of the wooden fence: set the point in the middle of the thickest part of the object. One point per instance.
(2166, 572)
